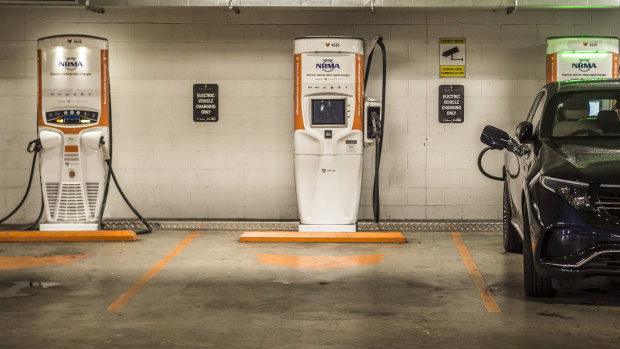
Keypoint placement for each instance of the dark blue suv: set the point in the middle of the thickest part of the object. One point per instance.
(561, 203)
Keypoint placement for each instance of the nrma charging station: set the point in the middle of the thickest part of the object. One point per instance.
(328, 136)
(570, 58)
(333, 122)
(74, 129)
(73, 120)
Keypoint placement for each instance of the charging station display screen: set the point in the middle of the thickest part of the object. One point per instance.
(72, 116)
(328, 112)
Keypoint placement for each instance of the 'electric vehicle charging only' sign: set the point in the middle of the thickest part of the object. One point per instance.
(205, 102)
(451, 106)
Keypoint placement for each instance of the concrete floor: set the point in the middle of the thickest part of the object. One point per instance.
(214, 294)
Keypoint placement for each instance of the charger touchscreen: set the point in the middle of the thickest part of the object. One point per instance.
(328, 112)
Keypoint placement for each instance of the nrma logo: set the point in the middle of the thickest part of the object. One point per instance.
(70, 63)
(328, 65)
(584, 65)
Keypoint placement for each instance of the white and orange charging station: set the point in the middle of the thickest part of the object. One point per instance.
(73, 144)
(570, 58)
(333, 123)
(328, 137)
(73, 120)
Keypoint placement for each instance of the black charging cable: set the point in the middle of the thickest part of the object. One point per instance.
(376, 206)
(107, 157)
(108, 161)
(482, 170)
(34, 147)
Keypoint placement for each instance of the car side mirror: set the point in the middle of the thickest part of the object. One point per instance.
(525, 132)
(494, 137)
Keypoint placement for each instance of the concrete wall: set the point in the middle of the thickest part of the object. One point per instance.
(241, 166)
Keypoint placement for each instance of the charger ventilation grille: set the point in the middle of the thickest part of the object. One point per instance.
(71, 207)
(92, 192)
(51, 192)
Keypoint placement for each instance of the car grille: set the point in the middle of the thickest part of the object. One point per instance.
(609, 260)
(608, 201)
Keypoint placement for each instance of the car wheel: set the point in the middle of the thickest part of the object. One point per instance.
(534, 284)
(512, 240)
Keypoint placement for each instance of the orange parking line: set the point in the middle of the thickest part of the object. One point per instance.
(476, 276)
(319, 262)
(19, 262)
(298, 236)
(125, 297)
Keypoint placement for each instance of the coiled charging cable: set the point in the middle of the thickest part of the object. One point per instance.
(485, 173)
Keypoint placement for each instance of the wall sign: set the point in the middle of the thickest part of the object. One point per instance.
(451, 103)
(205, 102)
(452, 58)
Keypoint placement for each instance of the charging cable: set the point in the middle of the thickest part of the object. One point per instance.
(379, 126)
(108, 161)
(485, 173)
(34, 147)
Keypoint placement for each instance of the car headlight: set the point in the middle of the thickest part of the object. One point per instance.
(575, 193)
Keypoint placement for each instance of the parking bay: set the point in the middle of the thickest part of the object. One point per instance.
(216, 292)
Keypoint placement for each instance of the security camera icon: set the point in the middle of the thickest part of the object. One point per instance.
(450, 53)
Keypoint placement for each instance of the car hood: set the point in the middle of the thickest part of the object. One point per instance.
(585, 160)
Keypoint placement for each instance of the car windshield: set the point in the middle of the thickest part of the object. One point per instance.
(587, 114)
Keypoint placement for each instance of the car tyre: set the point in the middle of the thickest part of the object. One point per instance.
(534, 284)
(512, 241)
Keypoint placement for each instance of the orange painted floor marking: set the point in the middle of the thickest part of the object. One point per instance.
(68, 236)
(476, 276)
(296, 236)
(19, 262)
(136, 287)
(319, 262)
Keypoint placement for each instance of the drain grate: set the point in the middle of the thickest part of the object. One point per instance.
(431, 226)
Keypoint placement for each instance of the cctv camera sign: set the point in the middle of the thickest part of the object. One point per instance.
(452, 58)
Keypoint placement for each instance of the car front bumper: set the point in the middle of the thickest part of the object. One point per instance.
(565, 243)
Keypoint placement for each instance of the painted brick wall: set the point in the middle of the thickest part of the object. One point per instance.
(242, 166)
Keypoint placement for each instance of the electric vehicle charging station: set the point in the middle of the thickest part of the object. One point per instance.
(74, 121)
(333, 123)
(570, 58)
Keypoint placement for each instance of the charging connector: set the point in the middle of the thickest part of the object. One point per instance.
(104, 149)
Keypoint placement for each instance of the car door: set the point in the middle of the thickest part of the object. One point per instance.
(519, 162)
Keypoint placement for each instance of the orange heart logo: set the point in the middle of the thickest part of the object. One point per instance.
(327, 44)
(69, 40)
(585, 44)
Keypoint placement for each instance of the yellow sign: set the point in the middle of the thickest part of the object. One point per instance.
(452, 71)
(451, 41)
(452, 58)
